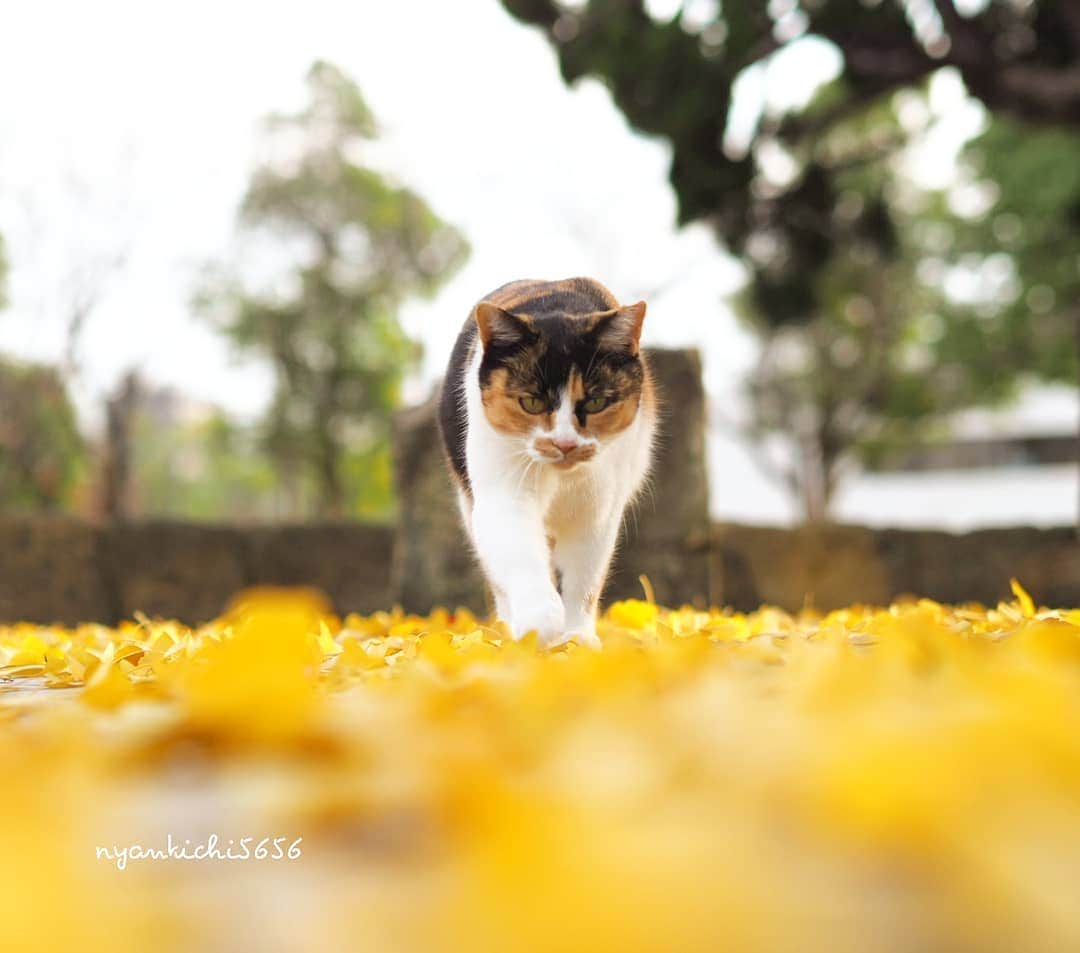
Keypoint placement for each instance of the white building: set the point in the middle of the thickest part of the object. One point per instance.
(952, 499)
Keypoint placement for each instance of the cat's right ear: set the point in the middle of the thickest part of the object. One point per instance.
(500, 327)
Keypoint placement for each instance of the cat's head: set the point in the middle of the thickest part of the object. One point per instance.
(563, 384)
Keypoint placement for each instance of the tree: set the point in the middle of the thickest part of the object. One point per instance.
(337, 248)
(675, 78)
(68, 272)
(116, 469)
(810, 196)
(1034, 225)
(41, 452)
(887, 353)
(192, 462)
(3, 274)
(1029, 233)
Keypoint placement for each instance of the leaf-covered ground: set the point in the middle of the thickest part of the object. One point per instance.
(898, 779)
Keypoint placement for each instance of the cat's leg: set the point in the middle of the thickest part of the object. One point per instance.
(502, 604)
(583, 551)
(509, 536)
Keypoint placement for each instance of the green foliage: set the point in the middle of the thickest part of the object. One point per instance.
(205, 466)
(198, 467)
(862, 346)
(41, 452)
(875, 362)
(369, 475)
(1032, 230)
(355, 246)
(3, 273)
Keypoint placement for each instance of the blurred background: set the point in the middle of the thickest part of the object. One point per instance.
(237, 239)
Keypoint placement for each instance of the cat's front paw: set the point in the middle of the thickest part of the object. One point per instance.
(582, 631)
(542, 614)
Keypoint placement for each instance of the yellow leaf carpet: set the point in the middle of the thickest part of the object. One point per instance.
(903, 778)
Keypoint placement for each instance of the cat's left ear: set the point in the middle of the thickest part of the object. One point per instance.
(499, 326)
(620, 329)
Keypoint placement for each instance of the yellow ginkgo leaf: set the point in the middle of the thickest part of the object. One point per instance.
(1027, 606)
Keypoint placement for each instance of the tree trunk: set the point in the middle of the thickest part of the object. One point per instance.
(331, 502)
(813, 481)
(119, 416)
(1076, 340)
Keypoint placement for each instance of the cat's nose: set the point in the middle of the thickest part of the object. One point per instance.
(566, 446)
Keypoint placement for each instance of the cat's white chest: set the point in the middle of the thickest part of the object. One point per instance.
(567, 499)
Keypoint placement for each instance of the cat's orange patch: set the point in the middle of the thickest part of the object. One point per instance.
(503, 408)
(577, 386)
(519, 295)
(614, 418)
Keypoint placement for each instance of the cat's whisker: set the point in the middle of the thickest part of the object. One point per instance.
(521, 478)
(529, 464)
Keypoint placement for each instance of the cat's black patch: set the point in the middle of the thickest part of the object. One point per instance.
(562, 301)
(453, 417)
(544, 368)
(514, 355)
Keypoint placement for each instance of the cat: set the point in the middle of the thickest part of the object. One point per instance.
(548, 413)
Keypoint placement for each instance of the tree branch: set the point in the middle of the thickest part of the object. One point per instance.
(950, 19)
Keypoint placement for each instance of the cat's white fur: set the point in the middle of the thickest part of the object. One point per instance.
(519, 501)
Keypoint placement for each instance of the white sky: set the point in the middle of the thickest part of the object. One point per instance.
(157, 117)
(131, 126)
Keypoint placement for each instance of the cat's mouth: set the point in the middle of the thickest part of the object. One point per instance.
(566, 463)
(563, 459)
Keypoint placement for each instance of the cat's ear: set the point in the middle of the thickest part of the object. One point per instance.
(498, 326)
(620, 330)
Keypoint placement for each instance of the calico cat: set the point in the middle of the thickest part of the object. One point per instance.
(547, 414)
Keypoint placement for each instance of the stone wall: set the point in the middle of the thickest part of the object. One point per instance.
(59, 570)
(54, 570)
(666, 536)
(835, 566)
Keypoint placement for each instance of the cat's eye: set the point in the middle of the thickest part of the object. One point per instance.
(533, 405)
(595, 404)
